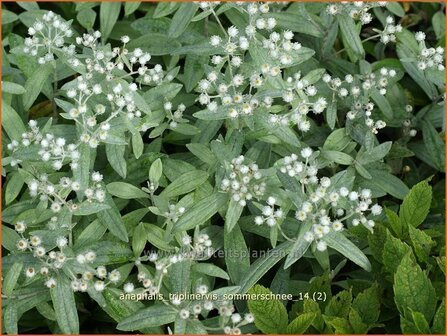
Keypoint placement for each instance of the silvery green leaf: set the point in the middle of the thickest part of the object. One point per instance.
(108, 15)
(201, 211)
(65, 306)
(125, 190)
(153, 316)
(340, 243)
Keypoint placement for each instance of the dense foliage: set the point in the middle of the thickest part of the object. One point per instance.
(226, 152)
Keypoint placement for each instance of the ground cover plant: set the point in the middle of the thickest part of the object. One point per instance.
(176, 167)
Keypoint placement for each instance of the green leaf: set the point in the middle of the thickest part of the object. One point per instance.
(86, 18)
(233, 214)
(87, 208)
(200, 212)
(393, 251)
(11, 122)
(388, 183)
(82, 173)
(438, 324)
(367, 304)
(131, 7)
(112, 219)
(108, 14)
(421, 323)
(157, 45)
(406, 56)
(438, 22)
(211, 270)
(13, 187)
(125, 190)
(350, 34)
(413, 290)
(28, 5)
(180, 277)
(340, 243)
(115, 156)
(9, 238)
(181, 19)
(165, 8)
(11, 319)
(137, 145)
(155, 171)
(416, 204)
(11, 277)
(154, 316)
(237, 257)
(65, 306)
(300, 246)
(35, 83)
(297, 22)
(262, 265)
(421, 242)
(8, 17)
(185, 183)
(357, 325)
(331, 113)
(338, 140)
(395, 8)
(337, 157)
(139, 239)
(156, 96)
(270, 314)
(339, 305)
(119, 309)
(300, 324)
(375, 154)
(434, 144)
(340, 325)
(194, 70)
(395, 223)
(12, 88)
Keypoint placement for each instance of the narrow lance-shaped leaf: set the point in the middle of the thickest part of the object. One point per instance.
(201, 212)
(65, 306)
(340, 243)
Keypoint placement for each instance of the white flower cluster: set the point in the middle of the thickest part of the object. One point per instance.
(122, 102)
(304, 168)
(358, 10)
(270, 214)
(58, 193)
(98, 280)
(53, 259)
(407, 129)
(429, 58)
(48, 35)
(174, 212)
(219, 90)
(229, 321)
(299, 90)
(328, 210)
(52, 149)
(243, 181)
(175, 117)
(357, 90)
(281, 48)
(388, 33)
(115, 74)
(113, 63)
(199, 248)
(216, 91)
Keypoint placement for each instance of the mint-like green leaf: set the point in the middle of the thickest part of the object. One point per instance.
(270, 315)
(416, 204)
(413, 290)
